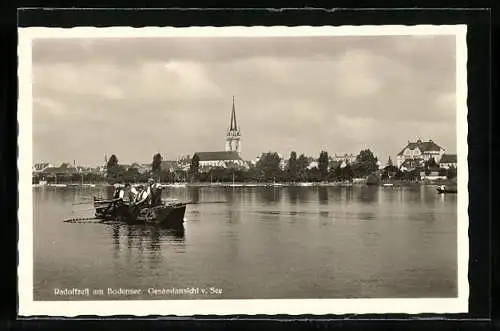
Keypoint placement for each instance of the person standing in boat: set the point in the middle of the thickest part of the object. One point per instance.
(155, 193)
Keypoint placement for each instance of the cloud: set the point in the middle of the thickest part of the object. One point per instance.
(137, 96)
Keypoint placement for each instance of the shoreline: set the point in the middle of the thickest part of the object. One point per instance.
(387, 183)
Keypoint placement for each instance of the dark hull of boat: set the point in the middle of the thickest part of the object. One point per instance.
(440, 190)
(169, 214)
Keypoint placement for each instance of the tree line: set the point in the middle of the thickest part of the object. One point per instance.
(430, 166)
(269, 168)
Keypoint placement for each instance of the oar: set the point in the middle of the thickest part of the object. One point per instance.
(84, 209)
(202, 202)
(82, 203)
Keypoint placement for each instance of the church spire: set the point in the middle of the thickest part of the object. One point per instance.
(233, 135)
(233, 125)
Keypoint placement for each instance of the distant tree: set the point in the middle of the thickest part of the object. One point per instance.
(389, 162)
(292, 167)
(302, 163)
(366, 163)
(194, 168)
(131, 175)
(179, 175)
(113, 169)
(389, 170)
(166, 176)
(251, 175)
(323, 165)
(156, 165)
(112, 162)
(269, 166)
(314, 174)
(347, 172)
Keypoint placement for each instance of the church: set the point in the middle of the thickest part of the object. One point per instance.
(231, 156)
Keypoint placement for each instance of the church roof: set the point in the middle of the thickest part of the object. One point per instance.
(424, 146)
(219, 156)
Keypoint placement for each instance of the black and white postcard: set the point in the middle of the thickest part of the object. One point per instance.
(243, 170)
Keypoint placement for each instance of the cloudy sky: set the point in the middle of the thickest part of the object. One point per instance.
(136, 97)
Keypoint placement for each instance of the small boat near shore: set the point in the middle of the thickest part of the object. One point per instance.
(167, 213)
(445, 189)
(57, 185)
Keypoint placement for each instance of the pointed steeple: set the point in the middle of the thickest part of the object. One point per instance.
(233, 134)
(233, 125)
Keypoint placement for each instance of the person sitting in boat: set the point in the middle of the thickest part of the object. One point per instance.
(116, 193)
(132, 193)
(139, 190)
(120, 193)
(144, 197)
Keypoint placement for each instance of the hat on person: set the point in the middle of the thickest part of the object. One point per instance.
(151, 180)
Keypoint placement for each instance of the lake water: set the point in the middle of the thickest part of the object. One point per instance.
(257, 242)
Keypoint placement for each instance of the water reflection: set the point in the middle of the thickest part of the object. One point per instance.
(366, 216)
(116, 240)
(270, 195)
(293, 195)
(229, 194)
(232, 216)
(323, 195)
(194, 194)
(324, 214)
(338, 242)
(368, 194)
(297, 195)
(145, 238)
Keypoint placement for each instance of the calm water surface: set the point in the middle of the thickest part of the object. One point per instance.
(286, 242)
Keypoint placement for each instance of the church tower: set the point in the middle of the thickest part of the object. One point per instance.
(233, 135)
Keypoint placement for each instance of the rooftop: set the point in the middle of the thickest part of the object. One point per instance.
(424, 146)
(219, 156)
(59, 170)
(412, 164)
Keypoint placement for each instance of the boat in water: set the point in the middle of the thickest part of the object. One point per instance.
(167, 213)
(445, 189)
(57, 185)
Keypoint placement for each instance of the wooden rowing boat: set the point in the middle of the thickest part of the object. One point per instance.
(444, 189)
(170, 213)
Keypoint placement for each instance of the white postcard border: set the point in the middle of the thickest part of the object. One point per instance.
(29, 307)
